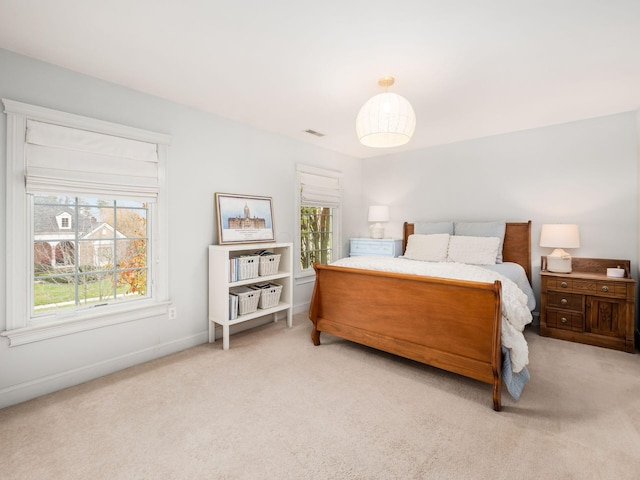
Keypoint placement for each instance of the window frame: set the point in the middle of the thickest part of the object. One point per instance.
(19, 249)
(93, 247)
(309, 274)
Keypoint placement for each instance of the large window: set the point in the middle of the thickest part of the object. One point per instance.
(319, 205)
(85, 200)
(96, 255)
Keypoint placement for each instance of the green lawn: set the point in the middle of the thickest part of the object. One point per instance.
(46, 293)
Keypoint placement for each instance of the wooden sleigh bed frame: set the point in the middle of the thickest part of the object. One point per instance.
(450, 324)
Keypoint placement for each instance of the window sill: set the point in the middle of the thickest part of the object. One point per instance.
(305, 277)
(80, 323)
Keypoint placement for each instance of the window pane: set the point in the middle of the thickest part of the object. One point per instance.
(132, 223)
(95, 287)
(51, 293)
(96, 254)
(132, 265)
(133, 282)
(132, 253)
(316, 235)
(305, 261)
(80, 258)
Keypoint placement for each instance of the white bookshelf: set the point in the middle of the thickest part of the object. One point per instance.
(219, 285)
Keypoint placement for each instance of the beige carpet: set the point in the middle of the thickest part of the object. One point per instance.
(276, 407)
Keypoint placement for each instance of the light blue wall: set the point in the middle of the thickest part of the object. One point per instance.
(581, 172)
(208, 154)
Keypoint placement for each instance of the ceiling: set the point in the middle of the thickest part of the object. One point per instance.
(470, 68)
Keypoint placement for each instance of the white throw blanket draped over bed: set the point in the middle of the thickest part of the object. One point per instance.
(515, 313)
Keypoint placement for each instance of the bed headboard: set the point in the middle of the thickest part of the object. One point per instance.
(517, 243)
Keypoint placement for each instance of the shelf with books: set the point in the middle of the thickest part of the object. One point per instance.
(235, 270)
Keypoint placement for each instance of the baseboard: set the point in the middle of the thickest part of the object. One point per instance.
(301, 308)
(35, 388)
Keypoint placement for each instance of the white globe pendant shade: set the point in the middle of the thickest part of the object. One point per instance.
(385, 120)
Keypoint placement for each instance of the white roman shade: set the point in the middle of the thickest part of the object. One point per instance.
(319, 190)
(74, 161)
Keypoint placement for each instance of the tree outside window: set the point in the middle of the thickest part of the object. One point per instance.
(316, 235)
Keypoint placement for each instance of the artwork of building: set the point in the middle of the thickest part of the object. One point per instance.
(247, 221)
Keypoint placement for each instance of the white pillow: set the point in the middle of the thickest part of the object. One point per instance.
(473, 250)
(428, 248)
(483, 229)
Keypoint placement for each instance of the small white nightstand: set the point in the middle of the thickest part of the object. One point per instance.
(384, 247)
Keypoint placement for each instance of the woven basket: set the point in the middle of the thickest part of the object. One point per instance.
(248, 299)
(248, 267)
(270, 296)
(269, 264)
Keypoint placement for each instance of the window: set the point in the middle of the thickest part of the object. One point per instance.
(103, 259)
(319, 204)
(316, 231)
(89, 244)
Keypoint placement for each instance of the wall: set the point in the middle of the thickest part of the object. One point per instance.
(208, 154)
(637, 338)
(581, 172)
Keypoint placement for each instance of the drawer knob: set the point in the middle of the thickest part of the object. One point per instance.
(564, 301)
(605, 288)
(564, 285)
(563, 320)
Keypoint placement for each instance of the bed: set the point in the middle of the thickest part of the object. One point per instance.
(447, 323)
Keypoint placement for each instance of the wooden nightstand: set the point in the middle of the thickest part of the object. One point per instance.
(383, 247)
(586, 306)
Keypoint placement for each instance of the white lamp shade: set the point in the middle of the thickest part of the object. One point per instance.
(386, 120)
(379, 213)
(560, 236)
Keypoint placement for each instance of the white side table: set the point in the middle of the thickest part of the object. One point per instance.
(384, 247)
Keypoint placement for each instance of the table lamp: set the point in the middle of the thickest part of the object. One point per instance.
(378, 213)
(559, 236)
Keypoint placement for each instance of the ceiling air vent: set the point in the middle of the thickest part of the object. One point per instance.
(313, 132)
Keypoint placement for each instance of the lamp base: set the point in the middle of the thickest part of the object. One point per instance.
(558, 264)
(377, 230)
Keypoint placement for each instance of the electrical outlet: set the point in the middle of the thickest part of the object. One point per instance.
(172, 313)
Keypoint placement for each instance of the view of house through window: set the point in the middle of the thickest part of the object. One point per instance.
(316, 238)
(87, 251)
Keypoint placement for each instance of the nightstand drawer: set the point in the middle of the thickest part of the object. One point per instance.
(589, 287)
(573, 285)
(584, 286)
(560, 284)
(565, 320)
(611, 289)
(372, 246)
(567, 301)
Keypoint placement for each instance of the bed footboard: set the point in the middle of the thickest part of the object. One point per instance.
(449, 324)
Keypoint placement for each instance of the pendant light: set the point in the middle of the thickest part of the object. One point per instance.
(386, 120)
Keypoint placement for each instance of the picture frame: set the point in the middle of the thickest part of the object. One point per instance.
(244, 218)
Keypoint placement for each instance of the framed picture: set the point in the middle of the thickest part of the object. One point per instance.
(244, 218)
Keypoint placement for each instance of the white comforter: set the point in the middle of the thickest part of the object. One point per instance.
(515, 313)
